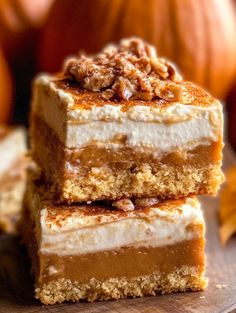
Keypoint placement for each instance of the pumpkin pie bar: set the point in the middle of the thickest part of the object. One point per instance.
(123, 123)
(98, 251)
(12, 176)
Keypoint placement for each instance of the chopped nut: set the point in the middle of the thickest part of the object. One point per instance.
(108, 94)
(146, 201)
(124, 205)
(123, 88)
(168, 92)
(173, 74)
(144, 95)
(169, 70)
(52, 270)
(159, 68)
(130, 70)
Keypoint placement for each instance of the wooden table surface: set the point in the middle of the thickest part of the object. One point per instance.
(16, 287)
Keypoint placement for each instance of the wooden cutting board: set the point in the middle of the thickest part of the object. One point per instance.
(16, 287)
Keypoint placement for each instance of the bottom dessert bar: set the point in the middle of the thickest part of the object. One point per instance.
(96, 252)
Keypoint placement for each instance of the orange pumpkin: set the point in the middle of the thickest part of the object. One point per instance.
(18, 19)
(5, 90)
(200, 36)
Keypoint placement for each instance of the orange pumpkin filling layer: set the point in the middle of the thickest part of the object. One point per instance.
(124, 262)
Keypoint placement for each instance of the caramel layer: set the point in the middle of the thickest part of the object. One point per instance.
(126, 157)
(125, 262)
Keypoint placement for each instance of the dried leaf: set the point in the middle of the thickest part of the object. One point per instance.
(228, 229)
(228, 207)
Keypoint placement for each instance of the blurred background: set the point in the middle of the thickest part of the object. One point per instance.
(199, 36)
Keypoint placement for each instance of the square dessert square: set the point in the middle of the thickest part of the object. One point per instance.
(92, 149)
(98, 252)
(12, 176)
(96, 144)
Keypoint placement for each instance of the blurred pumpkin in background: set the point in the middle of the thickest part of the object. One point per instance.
(20, 23)
(231, 108)
(5, 90)
(18, 19)
(200, 36)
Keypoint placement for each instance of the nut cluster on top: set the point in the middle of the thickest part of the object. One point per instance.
(128, 71)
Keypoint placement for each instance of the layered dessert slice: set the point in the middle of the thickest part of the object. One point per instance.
(12, 176)
(99, 252)
(123, 124)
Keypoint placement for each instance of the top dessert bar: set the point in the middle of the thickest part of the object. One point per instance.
(123, 124)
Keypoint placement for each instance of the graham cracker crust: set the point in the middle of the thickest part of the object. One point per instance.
(183, 279)
(168, 182)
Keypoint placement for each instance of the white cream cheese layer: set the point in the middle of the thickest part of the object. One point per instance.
(161, 136)
(77, 233)
(12, 147)
(177, 126)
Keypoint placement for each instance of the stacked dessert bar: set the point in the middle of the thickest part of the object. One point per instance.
(12, 176)
(122, 145)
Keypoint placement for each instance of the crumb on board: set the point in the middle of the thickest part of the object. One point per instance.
(220, 286)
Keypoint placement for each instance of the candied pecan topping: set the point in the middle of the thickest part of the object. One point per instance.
(130, 70)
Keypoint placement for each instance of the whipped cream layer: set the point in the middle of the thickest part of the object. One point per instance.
(73, 232)
(12, 148)
(165, 129)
